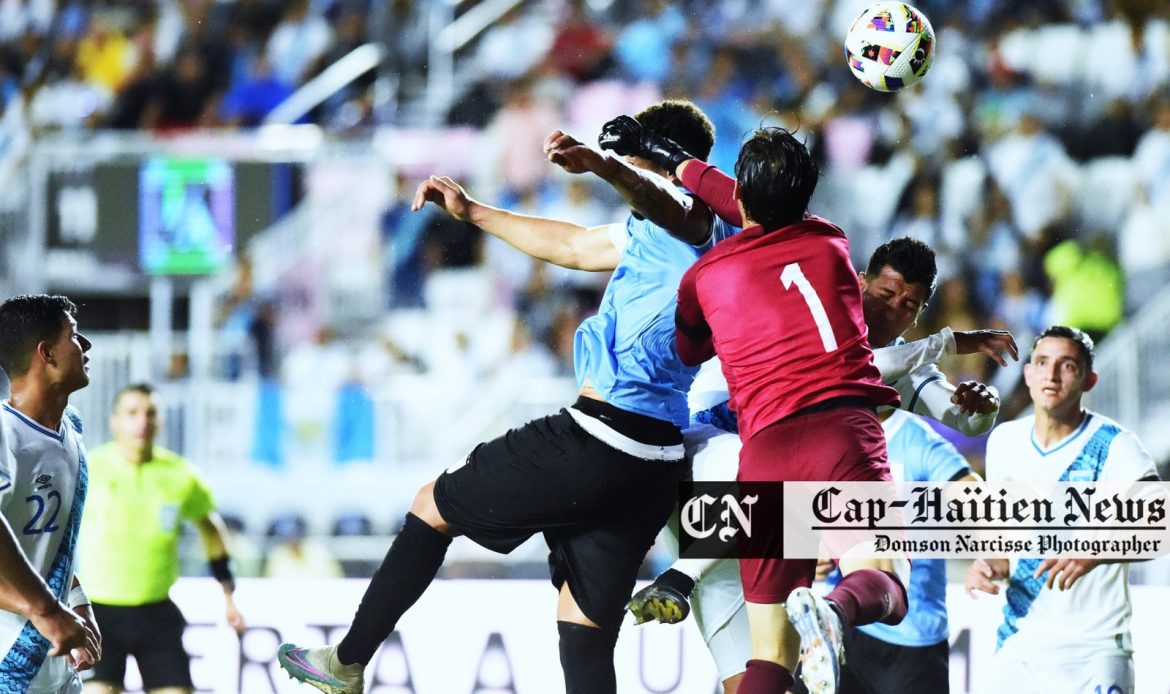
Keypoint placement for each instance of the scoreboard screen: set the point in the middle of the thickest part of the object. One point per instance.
(186, 216)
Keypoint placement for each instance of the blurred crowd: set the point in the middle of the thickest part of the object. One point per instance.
(1034, 158)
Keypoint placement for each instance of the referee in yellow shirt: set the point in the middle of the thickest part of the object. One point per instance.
(139, 496)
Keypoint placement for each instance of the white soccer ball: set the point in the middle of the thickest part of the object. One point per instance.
(890, 46)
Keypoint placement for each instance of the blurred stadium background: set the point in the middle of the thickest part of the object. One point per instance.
(224, 185)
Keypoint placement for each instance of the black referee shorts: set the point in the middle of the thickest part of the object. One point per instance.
(599, 509)
(153, 634)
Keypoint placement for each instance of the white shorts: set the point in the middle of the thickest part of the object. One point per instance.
(731, 643)
(717, 602)
(1100, 675)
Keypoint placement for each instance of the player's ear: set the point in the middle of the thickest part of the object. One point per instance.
(1090, 381)
(1028, 373)
(861, 281)
(44, 351)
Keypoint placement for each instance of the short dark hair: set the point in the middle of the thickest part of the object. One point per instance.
(142, 388)
(911, 258)
(683, 122)
(1084, 343)
(26, 321)
(776, 177)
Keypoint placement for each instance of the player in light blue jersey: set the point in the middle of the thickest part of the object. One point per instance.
(600, 478)
(47, 630)
(914, 656)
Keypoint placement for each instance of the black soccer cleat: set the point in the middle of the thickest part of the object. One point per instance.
(661, 603)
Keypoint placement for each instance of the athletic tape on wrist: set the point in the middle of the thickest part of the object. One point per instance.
(77, 597)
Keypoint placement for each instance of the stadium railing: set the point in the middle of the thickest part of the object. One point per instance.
(1134, 384)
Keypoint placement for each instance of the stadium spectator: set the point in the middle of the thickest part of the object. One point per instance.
(249, 100)
(140, 494)
(301, 37)
(296, 555)
(1087, 286)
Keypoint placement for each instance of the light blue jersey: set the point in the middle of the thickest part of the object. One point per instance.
(918, 454)
(627, 351)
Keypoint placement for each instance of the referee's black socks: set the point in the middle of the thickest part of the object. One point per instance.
(410, 566)
(587, 658)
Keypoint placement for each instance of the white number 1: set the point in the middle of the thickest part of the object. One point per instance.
(792, 274)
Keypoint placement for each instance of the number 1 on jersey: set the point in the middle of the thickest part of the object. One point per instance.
(792, 274)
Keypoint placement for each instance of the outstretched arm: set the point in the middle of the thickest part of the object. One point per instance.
(562, 243)
(625, 135)
(649, 194)
(713, 187)
(899, 361)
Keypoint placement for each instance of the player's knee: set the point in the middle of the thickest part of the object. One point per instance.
(587, 658)
(427, 510)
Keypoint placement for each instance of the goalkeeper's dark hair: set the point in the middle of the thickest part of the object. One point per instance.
(1083, 342)
(683, 122)
(911, 258)
(776, 177)
(26, 321)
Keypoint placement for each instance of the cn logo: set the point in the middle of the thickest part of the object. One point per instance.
(725, 515)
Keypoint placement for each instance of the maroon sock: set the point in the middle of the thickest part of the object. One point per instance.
(866, 596)
(765, 677)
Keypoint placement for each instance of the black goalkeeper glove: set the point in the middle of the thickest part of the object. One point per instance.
(626, 136)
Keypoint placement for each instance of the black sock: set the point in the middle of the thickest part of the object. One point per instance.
(408, 569)
(677, 580)
(587, 659)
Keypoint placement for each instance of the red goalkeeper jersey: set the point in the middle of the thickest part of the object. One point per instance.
(783, 311)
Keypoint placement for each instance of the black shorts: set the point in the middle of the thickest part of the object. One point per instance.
(873, 666)
(599, 508)
(153, 634)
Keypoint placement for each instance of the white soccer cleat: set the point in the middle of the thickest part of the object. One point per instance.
(320, 668)
(821, 650)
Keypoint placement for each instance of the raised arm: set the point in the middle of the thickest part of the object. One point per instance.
(649, 194)
(562, 243)
(898, 361)
(625, 135)
(970, 407)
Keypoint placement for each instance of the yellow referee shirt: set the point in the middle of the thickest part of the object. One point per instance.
(128, 547)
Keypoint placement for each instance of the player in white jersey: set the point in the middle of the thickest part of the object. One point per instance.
(896, 285)
(47, 631)
(1066, 621)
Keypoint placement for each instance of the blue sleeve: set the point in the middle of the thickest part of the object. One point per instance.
(928, 456)
(74, 418)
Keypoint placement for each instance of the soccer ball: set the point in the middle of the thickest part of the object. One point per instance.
(890, 46)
